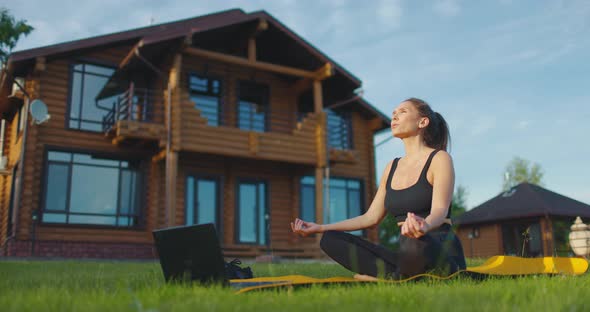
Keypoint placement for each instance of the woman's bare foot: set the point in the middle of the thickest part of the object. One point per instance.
(363, 277)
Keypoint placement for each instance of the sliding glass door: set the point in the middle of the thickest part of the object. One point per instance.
(252, 216)
(202, 201)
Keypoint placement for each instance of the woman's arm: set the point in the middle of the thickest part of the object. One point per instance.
(442, 193)
(442, 189)
(372, 217)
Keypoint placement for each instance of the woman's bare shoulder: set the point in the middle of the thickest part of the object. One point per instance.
(442, 159)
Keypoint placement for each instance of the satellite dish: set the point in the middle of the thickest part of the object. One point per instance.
(39, 112)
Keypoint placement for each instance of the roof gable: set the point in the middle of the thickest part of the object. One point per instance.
(177, 29)
(522, 201)
(298, 52)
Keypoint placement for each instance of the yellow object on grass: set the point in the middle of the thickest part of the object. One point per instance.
(497, 265)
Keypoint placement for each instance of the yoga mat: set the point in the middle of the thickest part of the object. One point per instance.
(494, 266)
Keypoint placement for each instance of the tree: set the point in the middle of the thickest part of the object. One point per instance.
(10, 32)
(389, 232)
(459, 205)
(521, 170)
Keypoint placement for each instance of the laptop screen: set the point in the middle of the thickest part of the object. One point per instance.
(190, 253)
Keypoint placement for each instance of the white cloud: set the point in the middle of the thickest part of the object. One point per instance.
(389, 13)
(447, 8)
(523, 124)
(483, 124)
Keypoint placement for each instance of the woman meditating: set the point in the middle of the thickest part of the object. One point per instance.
(417, 190)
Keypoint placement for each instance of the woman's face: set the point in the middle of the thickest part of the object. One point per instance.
(406, 121)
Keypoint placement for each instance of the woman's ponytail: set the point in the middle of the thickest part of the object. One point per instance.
(436, 135)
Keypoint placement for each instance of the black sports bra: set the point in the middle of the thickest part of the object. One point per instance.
(416, 198)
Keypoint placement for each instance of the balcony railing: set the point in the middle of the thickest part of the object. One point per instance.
(254, 117)
(339, 132)
(135, 104)
(247, 116)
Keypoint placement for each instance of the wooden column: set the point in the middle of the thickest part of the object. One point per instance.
(171, 186)
(252, 50)
(318, 102)
(260, 27)
(173, 132)
(319, 194)
(321, 152)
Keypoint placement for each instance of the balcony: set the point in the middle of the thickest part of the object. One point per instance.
(134, 119)
(248, 130)
(339, 138)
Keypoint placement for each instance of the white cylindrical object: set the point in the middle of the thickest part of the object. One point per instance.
(580, 238)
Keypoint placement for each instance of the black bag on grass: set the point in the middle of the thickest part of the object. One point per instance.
(234, 271)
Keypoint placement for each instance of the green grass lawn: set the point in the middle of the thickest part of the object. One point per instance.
(139, 286)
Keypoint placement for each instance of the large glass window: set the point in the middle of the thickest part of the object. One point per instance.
(252, 216)
(253, 106)
(202, 201)
(345, 200)
(206, 93)
(83, 189)
(307, 199)
(339, 130)
(85, 112)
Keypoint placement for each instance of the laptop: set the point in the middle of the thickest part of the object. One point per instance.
(191, 254)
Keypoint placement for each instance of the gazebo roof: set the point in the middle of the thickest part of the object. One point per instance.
(524, 201)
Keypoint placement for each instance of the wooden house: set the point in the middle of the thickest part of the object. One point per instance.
(229, 118)
(526, 220)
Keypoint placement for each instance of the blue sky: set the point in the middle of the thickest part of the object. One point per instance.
(512, 78)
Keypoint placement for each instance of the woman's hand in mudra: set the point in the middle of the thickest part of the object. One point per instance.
(304, 228)
(414, 226)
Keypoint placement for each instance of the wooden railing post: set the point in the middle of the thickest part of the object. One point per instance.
(130, 102)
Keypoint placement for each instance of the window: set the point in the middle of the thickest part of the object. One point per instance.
(84, 189)
(253, 106)
(11, 203)
(339, 130)
(85, 112)
(252, 215)
(345, 200)
(523, 240)
(474, 233)
(206, 93)
(307, 199)
(22, 118)
(202, 201)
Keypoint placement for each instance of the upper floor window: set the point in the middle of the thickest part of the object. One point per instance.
(85, 112)
(86, 189)
(339, 130)
(206, 93)
(253, 106)
(22, 118)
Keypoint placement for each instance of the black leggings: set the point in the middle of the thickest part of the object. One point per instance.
(439, 252)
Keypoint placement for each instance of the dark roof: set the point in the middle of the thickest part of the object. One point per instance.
(165, 30)
(523, 201)
(302, 53)
(181, 28)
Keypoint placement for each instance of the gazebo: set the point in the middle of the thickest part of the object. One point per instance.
(526, 220)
